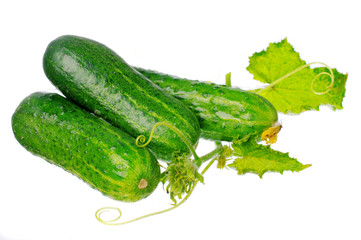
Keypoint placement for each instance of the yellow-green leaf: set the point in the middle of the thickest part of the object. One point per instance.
(294, 87)
(259, 159)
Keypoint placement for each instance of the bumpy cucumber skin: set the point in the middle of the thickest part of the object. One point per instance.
(224, 113)
(52, 127)
(96, 78)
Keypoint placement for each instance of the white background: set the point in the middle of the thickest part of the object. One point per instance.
(200, 40)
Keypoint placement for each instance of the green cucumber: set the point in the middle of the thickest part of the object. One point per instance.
(52, 127)
(95, 77)
(224, 113)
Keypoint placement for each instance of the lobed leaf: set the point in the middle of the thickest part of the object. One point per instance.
(294, 87)
(259, 159)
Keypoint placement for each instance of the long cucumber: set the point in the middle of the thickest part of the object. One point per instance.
(224, 113)
(52, 127)
(96, 78)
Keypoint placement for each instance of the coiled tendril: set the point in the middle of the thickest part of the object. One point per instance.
(140, 140)
(330, 74)
(328, 88)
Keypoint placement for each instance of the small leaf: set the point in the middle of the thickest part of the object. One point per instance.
(259, 159)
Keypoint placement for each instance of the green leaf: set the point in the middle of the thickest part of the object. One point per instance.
(294, 87)
(259, 159)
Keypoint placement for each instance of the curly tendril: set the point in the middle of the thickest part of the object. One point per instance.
(112, 222)
(103, 210)
(141, 139)
(330, 74)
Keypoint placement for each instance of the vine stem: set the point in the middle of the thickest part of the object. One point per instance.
(331, 75)
(228, 80)
(210, 155)
(113, 223)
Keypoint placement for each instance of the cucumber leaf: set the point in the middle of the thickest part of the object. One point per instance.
(259, 159)
(294, 87)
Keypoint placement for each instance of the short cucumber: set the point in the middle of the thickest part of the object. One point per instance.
(95, 77)
(224, 113)
(52, 127)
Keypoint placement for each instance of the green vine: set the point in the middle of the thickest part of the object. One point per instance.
(113, 222)
(181, 174)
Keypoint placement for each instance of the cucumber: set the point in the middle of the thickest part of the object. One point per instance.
(224, 113)
(96, 78)
(52, 127)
